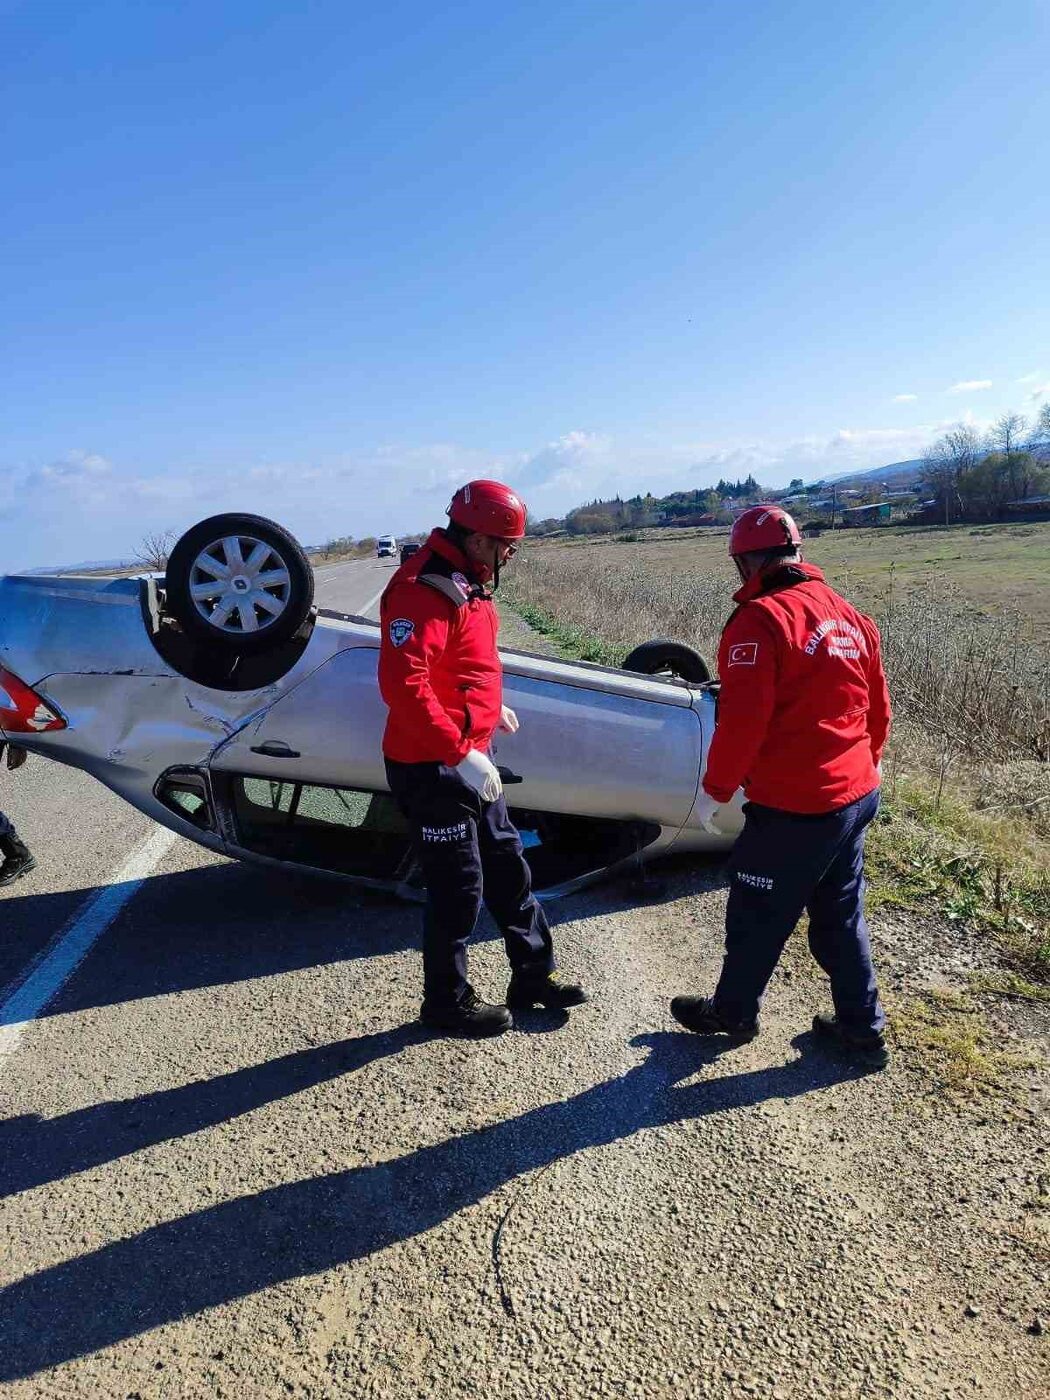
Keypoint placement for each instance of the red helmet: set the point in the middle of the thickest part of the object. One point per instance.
(488, 508)
(762, 527)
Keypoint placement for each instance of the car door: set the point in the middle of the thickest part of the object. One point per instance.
(593, 741)
(304, 783)
(599, 742)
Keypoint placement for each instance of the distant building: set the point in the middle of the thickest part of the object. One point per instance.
(876, 514)
(1031, 505)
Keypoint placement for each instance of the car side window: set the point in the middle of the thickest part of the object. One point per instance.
(186, 794)
(346, 830)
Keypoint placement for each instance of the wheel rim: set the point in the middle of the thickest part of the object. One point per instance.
(239, 585)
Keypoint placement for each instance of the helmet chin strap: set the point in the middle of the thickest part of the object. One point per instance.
(487, 572)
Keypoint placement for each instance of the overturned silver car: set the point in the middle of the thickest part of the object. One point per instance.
(223, 704)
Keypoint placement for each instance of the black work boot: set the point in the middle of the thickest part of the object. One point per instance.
(549, 989)
(17, 859)
(867, 1047)
(471, 1016)
(700, 1015)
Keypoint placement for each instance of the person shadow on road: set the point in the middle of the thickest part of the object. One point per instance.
(238, 1247)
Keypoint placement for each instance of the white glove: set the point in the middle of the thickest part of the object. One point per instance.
(508, 720)
(479, 772)
(706, 811)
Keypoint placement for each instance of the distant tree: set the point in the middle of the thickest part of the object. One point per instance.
(343, 545)
(1018, 463)
(154, 549)
(985, 489)
(1039, 438)
(1006, 432)
(946, 463)
(795, 484)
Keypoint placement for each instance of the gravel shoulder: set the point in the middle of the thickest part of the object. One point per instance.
(234, 1165)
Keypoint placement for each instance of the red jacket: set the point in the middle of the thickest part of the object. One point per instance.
(804, 711)
(439, 670)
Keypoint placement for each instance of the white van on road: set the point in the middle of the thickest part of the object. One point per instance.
(386, 547)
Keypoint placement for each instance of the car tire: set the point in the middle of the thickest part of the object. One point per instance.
(669, 658)
(245, 610)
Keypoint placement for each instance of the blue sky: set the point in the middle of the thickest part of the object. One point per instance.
(325, 261)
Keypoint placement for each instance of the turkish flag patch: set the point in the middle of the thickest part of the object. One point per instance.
(743, 654)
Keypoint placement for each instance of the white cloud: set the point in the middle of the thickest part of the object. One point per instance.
(969, 386)
(84, 506)
(569, 462)
(905, 398)
(1032, 378)
(73, 467)
(1040, 391)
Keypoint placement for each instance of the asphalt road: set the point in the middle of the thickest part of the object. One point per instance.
(231, 1164)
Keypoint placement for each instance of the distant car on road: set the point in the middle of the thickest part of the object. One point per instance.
(386, 547)
(409, 548)
(224, 705)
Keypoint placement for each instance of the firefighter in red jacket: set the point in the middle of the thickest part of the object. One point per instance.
(440, 676)
(802, 721)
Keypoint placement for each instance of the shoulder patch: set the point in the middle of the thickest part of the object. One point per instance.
(400, 630)
(743, 654)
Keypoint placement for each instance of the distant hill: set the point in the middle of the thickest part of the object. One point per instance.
(893, 474)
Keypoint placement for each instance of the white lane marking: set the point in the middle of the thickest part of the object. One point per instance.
(46, 976)
(364, 610)
(355, 564)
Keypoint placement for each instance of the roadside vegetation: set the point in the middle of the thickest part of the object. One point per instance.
(948, 1031)
(965, 831)
(345, 547)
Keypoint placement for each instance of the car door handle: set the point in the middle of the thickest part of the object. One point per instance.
(273, 748)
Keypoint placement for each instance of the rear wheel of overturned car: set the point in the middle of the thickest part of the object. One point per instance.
(661, 658)
(240, 583)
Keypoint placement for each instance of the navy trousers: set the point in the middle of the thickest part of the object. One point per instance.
(783, 864)
(469, 851)
(6, 829)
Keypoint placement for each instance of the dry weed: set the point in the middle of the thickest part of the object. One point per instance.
(974, 685)
(624, 601)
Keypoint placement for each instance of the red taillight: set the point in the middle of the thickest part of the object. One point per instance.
(21, 709)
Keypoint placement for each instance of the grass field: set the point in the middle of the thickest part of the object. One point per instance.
(999, 568)
(1002, 569)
